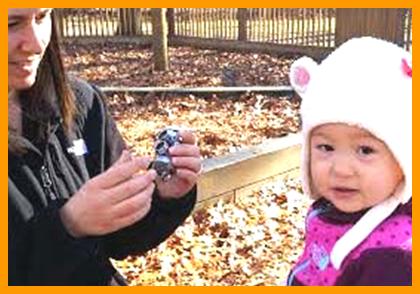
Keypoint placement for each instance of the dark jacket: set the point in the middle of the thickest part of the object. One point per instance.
(41, 252)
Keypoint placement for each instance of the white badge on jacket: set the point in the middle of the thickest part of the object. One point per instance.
(79, 148)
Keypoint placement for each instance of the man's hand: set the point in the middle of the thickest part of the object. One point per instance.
(113, 200)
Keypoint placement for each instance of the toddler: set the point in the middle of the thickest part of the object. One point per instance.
(357, 165)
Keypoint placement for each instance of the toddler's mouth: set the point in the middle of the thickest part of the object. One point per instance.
(344, 191)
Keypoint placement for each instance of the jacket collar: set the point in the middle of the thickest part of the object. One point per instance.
(333, 215)
(50, 122)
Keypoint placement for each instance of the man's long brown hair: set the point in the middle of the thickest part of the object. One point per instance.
(36, 101)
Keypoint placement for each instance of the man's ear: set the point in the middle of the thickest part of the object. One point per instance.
(301, 73)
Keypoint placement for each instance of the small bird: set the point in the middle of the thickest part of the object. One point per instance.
(229, 77)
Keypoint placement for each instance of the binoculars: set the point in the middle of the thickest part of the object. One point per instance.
(162, 163)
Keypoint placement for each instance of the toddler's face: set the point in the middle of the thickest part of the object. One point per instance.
(351, 168)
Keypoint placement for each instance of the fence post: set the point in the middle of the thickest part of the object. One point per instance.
(170, 17)
(400, 19)
(242, 23)
(385, 23)
(122, 25)
(129, 21)
(59, 20)
(407, 19)
(160, 39)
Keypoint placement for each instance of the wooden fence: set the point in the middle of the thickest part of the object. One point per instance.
(103, 22)
(314, 27)
(390, 24)
(267, 28)
(407, 41)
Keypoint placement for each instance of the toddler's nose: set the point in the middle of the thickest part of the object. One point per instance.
(342, 166)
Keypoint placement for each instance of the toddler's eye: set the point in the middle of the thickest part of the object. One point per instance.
(42, 16)
(365, 150)
(12, 24)
(325, 147)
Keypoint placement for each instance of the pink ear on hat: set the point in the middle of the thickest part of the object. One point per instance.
(301, 73)
(407, 67)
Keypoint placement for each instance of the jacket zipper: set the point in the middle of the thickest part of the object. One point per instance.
(47, 182)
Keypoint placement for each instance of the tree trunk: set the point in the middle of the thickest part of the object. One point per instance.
(160, 39)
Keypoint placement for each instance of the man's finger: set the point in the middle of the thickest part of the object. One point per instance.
(185, 174)
(190, 163)
(188, 137)
(185, 150)
(135, 203)
(125, 157)
(132, 186)
(121, 172)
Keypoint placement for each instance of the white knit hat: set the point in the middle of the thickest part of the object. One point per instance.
(366, 82)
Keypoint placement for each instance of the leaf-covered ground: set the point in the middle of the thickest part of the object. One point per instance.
(129, 65)
(223, 123)
(253, 241)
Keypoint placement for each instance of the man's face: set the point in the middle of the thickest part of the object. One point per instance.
(29, 33)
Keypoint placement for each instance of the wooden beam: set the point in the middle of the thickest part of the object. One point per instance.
(238, 173)
(247, 46)
(259, 89)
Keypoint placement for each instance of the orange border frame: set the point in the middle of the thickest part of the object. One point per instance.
(183, 3)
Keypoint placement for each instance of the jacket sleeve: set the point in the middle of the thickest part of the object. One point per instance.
(379, 267)
(54, 258)
(164, 216)
(161, 221)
